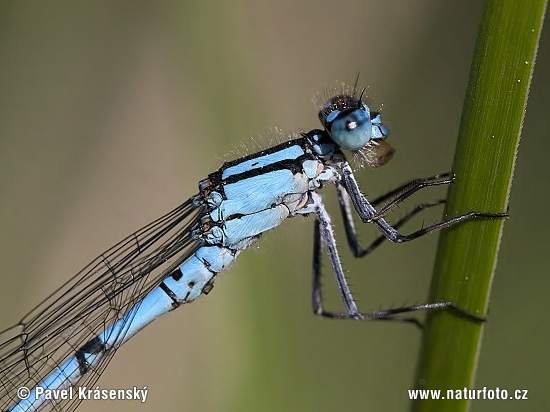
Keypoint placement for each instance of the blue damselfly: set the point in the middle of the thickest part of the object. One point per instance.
(70, 337)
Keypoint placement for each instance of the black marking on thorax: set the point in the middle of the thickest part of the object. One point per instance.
(294, 165)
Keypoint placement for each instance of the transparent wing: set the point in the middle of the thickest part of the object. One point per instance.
(93, 299)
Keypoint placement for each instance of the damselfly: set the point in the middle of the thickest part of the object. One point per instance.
(70, 337)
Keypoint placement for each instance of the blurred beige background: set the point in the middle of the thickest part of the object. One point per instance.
(111, 112)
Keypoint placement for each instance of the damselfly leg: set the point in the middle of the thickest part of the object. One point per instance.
(368, 214)
(398, 195)
(349, 192)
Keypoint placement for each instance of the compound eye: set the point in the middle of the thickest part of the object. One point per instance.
(351, 129)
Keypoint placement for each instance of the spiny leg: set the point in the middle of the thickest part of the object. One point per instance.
(368, 214)
(316, 292)
(351, 232)
(392, 234)
(323, 234)
(403, 192)
(384, 314)
(389, 314)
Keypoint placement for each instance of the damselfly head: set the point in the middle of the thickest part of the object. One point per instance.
(351, 125)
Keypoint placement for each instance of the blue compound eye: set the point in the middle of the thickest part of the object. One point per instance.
(350, 129)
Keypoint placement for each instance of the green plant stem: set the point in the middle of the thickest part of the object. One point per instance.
(489, 133)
